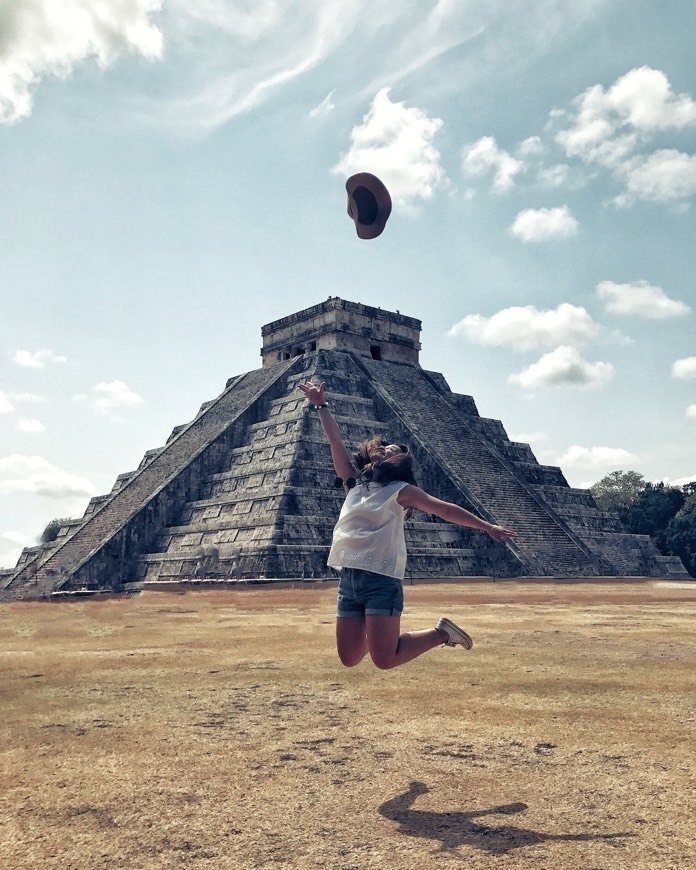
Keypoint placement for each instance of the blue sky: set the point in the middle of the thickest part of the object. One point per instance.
(173, 179)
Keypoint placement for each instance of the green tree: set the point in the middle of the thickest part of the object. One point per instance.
(653, 509)
(50, 533)
(618, 490)
(678, 538)
(666, 513)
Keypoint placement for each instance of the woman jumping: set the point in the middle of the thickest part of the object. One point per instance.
(369, 547)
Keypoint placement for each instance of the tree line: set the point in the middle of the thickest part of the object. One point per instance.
(666, 513)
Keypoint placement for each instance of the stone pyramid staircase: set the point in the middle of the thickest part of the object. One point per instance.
(483, 476)
(270, 511)
(560, 530)
(245, 491)
(103, 550)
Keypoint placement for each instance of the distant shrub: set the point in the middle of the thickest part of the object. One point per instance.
(50, 533)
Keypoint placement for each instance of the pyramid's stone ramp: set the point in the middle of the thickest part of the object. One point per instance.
(266, 511)
(435, 548)
(545, 544)
(103, 550)
(270, 508)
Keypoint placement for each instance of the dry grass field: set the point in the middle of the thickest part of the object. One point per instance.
(218, 730)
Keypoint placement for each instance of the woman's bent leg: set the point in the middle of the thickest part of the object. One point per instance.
(351, 641)
(389, 648)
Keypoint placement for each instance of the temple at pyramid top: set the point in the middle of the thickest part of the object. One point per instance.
(245, 490)
(340, 325)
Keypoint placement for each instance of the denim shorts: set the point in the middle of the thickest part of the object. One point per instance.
(365, 593)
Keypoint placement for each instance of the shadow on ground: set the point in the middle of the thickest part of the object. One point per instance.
(454, 829)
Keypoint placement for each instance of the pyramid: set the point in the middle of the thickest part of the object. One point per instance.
(245, 491)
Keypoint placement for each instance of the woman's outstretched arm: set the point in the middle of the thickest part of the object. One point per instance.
(414, 497)
(342, 460)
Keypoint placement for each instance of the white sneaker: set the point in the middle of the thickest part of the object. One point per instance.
(457, 635)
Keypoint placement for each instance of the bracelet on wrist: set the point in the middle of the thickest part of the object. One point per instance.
(317, 407)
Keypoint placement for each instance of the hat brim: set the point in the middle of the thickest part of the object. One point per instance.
(382, 198)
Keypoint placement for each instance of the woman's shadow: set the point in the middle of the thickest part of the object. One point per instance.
(458, 828)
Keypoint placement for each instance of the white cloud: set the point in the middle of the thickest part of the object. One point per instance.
(34, 474)
(608, 125)
(541, 224)
(691, 413)
(6, 405)
(38, 359)
(484, 156)
(14, 537)
(396, 143)
(110, 397)
(661, 176)
(226, 57)
(563, 367)
(554, 176)
(524, 328)
(685, 368)
(592, 137)
(596, 457)
(531, 147)
(644, 99)
(680, 481)
(50, 37)
(27, 424)
(30, 398)
(8, 400)
(237, 55)
(11, 545)
(325, 107)
(640, 299)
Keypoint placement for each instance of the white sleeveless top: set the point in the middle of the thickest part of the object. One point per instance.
(369, 533)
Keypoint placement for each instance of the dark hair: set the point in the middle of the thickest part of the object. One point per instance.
(399, 467)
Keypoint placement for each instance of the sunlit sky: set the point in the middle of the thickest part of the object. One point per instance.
(172, 178)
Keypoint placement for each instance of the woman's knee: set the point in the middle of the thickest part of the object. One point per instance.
(350, 659)
(383, 661)
(351, 654)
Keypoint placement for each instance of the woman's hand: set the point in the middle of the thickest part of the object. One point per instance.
(500, 533)
(313, 393)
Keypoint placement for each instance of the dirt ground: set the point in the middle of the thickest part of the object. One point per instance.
(218, 730)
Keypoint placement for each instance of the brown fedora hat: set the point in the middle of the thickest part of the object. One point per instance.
(369, 204)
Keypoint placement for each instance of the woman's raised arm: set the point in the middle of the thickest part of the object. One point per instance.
(342, 460)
